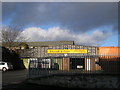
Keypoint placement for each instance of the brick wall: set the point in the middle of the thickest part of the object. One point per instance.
(110, 61)
(109, 51)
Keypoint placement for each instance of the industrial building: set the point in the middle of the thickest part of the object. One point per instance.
(65, 55)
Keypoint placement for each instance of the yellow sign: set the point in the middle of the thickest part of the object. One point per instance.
(67, 51)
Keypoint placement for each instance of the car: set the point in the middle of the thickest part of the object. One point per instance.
(4, 66)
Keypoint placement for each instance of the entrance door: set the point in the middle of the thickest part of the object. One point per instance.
(66, 64)
(77, 63)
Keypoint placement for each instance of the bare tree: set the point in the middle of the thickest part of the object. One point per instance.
(12, 36)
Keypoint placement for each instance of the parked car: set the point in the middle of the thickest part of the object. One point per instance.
(4, 66)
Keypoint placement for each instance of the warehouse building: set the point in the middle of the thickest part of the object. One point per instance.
(64, 55)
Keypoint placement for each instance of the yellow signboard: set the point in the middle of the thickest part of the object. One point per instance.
(67, 51)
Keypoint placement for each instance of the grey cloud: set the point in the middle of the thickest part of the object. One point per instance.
(74, 16)
(38, 34)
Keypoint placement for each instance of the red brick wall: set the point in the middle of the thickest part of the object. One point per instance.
(109, 51)
(109, 63)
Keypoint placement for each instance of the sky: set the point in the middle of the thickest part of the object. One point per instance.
(86, 23)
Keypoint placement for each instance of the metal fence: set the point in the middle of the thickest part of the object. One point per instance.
(73, 65)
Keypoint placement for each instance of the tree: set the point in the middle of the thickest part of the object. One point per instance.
(12, 57)
(12, 36)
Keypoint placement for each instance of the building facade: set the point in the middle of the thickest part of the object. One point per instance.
(67, 56)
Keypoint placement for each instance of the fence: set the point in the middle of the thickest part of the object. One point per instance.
(73, 65)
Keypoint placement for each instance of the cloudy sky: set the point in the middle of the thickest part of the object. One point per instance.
(87, 23)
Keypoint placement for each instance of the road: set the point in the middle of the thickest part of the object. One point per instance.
(13, 77)
(14, 80)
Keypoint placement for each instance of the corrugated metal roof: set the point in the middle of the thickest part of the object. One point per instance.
(46, 43)
(50, 43)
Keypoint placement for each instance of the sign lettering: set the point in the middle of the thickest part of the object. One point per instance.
(67, 51)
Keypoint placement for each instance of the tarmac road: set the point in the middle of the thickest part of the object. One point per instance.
(13, 77)
(15, 80)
